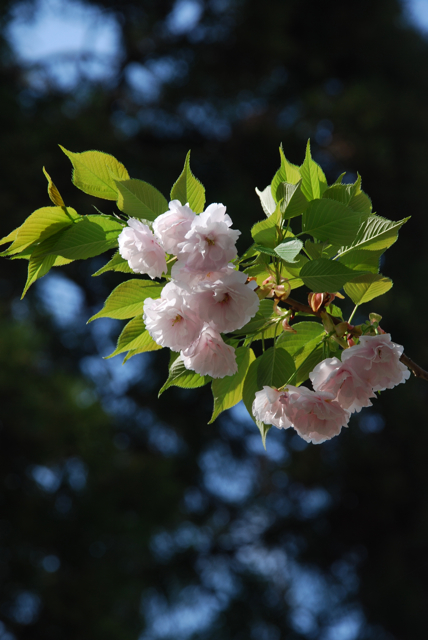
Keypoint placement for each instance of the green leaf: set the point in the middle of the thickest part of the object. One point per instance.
(181, 377)
(309, 358)
(374, 234)
(275, 368)
(303, 346)
(306, 332)
(326, 275)
(351, 196)
(265, 232)
(365, 288)
(292, 271)
(289, 249)
(117, 263)
(95, 173)
(189, 189)
(286, 173)
(251, 386)
(139, 199)
(135, 336)
(40, 263)
(228, 391)
(53, 192)
(335, 311)
(41, 224)
(266, 250)
(266, 200)
(293, 202)
(359, 200)
(127, 300)
(331, 221)
(314, 249)
(314, 182)
(87, 238)
(10, 237)
(339, 192)
(362, 260)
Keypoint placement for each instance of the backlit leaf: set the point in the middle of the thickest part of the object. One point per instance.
(140, 199)
(127, 300)
(367, 287)
(189, 189)
(314, 182)
(135, 336)
(95, 172)
(228, 391)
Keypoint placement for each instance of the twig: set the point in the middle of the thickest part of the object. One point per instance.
(417, 371)
(414, 368)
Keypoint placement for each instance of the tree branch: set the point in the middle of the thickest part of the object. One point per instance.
(417, 371)
(414, 368)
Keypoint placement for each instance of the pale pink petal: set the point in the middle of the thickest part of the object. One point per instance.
(269, 408)
(350, 390)
(209, 355)
(169, 319)
(315, 415)
(139, 247)
(377, 360)
(227, 303)
(210, 243)
(171, 227)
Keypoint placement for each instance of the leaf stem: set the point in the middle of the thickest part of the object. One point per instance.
(353, 313)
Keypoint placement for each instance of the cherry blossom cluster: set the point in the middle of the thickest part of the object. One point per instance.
(341, 387)
(205, 297)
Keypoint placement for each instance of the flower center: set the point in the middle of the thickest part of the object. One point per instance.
(225, 299)
(177, 318)
(210, 241)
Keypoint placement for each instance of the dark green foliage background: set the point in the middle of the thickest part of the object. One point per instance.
(270, 73)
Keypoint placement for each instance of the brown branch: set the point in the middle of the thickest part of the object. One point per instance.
(414, 368)
(417, 371)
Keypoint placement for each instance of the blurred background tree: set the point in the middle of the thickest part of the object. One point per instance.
(124, 516)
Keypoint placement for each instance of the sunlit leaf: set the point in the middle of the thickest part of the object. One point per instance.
(140, 199)
(127, 300)
(95, 172)
(367, 287)
(189, 189)
(228, 391)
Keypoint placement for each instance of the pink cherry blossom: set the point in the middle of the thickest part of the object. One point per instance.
(169, 320)
(350, 390)
(192, 279)
(269, 408)
(209, 355)
(210, 243)
(315, 415)
(377, 360)
(228, 302)
(171, 227)
(139, 247)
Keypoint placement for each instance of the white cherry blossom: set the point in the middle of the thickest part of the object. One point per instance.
(269, 407)
(210, 243)
(377, 360)
(209, 355)
(228, 302)
(171, 227)
(169, 319)
(138, 245)
(315, 415)
(350, 390)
